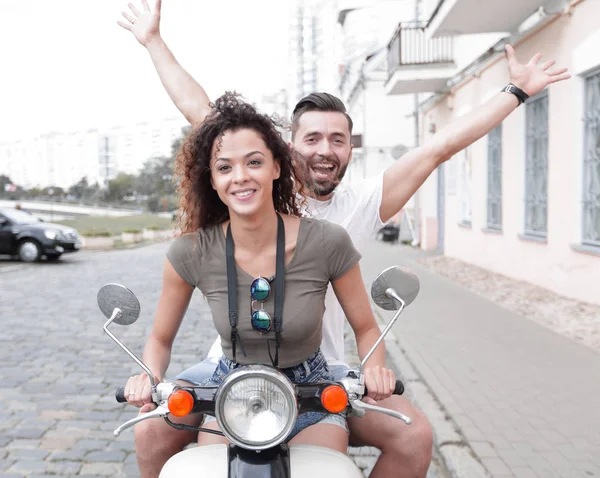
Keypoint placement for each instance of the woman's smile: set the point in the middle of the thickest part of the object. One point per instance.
(244, 194)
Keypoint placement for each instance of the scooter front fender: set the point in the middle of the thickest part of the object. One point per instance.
(213, 461)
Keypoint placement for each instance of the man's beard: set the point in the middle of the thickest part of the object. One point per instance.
(318, 188)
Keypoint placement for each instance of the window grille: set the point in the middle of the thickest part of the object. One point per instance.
(536, 167)
(465, 197)
(494, 197)
(591, 162)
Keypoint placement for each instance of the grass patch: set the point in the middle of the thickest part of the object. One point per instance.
(95, 233)
(117, 225)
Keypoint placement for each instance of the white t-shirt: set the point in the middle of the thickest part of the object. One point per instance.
(356, 208)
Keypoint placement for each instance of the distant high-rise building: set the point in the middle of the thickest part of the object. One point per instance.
(315, 48)
(62, 159)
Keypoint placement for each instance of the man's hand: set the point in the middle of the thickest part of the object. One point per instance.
(145, 25)
(531, 78)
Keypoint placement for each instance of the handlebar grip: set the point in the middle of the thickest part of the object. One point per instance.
(120, 395)
(398, 389)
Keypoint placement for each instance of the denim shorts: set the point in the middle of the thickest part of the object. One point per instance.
(313, 369)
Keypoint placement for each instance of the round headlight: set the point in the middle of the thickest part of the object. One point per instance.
(256, 407)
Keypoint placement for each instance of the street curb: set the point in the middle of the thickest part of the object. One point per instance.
(132, 245)
(458, 456)
(11, 268)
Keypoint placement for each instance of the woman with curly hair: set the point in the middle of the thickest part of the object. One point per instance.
(263, 269)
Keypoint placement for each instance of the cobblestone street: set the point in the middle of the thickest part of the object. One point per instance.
(60, 371)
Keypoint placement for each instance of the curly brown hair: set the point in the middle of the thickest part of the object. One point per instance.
(200, 205)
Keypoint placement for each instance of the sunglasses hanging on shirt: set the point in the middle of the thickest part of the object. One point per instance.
(259, 291)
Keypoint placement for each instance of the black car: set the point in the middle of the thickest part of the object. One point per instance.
(24, 235)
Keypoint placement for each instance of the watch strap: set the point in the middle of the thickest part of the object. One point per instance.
(518, 92)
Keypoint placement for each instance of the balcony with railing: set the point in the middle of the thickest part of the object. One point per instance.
(417, 63)
(460, 17)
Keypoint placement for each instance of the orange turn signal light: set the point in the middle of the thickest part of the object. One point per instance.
(181, 403)
(334, 399)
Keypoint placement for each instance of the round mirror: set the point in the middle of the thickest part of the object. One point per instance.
(111, 296)
(402, 280)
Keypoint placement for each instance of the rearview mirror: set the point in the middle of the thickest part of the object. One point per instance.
(402, 281)
(113, 296)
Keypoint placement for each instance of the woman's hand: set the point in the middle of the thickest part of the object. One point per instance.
(138, 392)
(380, 383)
(144, 25)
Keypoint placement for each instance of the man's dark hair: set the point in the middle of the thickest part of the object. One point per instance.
(318, 102)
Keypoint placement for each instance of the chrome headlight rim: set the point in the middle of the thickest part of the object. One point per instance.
(256, 371)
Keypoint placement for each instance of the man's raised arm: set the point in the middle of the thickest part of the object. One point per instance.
(185, 92)
(402, 180)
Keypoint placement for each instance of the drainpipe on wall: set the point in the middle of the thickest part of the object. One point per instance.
(363, 84)
(416, 242)
(417, 236)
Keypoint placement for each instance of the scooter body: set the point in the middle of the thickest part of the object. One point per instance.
(295, 461)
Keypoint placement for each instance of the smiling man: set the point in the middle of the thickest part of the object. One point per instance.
(321, 133)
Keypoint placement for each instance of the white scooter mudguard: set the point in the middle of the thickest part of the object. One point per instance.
(210, 461)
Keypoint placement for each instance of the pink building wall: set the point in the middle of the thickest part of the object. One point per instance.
(574, 41)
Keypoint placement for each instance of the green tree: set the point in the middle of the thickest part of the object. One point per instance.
(4, 181)
(121, 186)
(79, 188)
(34, 193)
(155, 180)
(55, 191)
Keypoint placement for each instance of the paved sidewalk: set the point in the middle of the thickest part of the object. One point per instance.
(524, 398)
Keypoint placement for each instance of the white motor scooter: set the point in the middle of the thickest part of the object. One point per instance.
(257, 406)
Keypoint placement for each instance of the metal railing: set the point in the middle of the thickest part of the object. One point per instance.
(410, 46)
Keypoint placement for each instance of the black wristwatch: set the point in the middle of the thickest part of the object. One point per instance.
(518, 92)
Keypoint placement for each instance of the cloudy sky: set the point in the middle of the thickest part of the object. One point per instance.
(66, 64)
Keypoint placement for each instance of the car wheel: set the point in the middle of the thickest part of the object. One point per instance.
(29, 251)
(53, 257)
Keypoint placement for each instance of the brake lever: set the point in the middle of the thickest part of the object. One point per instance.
(159, 412)
(361, 407)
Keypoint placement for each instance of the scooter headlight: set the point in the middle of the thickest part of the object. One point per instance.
(256, 407)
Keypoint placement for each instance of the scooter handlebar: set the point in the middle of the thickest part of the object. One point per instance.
(120, 395)
(398, 389)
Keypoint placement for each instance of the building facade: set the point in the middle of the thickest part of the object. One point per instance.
(524, 201)
(384, 127)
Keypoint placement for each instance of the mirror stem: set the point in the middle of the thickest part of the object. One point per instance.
(392, 294)
(117, 313)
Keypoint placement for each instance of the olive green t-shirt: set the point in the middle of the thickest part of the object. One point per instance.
(324, 252)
